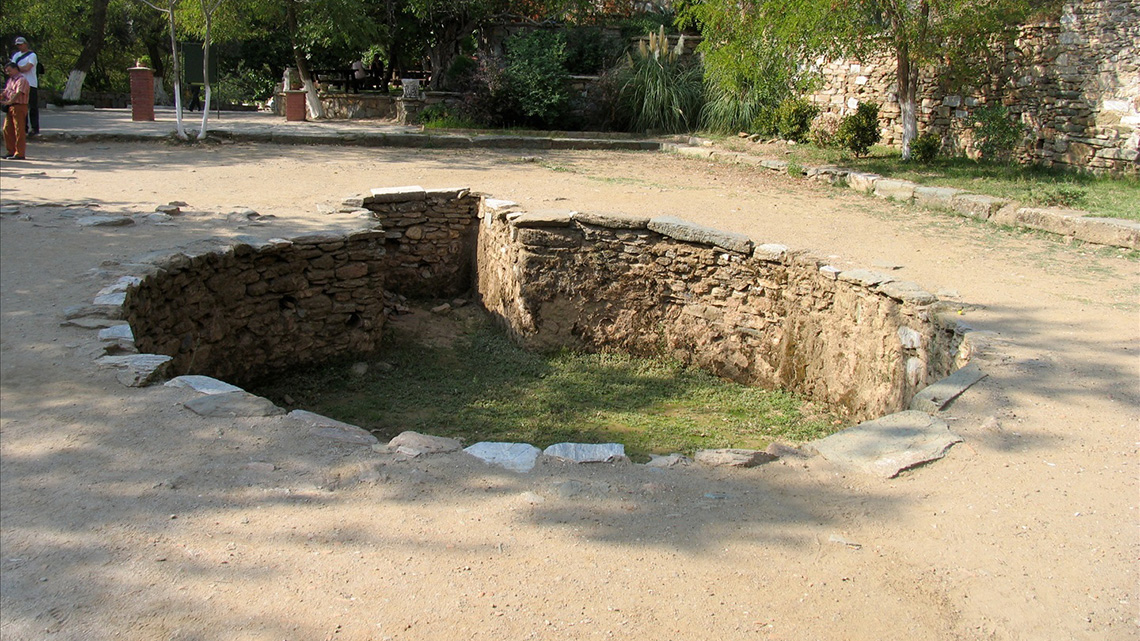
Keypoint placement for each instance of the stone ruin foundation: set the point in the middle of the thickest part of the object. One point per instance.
(759, 314)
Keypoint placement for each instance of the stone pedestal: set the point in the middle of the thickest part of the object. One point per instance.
(294, 106)
(142, 94)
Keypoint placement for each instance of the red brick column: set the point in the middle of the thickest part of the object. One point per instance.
(142, 93)
(295, 106)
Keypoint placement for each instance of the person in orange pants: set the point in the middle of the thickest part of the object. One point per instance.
(15, 101)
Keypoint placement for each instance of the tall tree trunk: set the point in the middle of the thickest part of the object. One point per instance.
(312, 100)
(90, 52)
(156, 62)
(907, 80)
(177, 71)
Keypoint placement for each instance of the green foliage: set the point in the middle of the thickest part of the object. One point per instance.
(590, 50)
(484, 387)
(926, 147)
(661, 91)
(824, 130)
(441, 116)
(860, 130)
(1058, 195)
(996, 134)
(536, 77)
(792, 119)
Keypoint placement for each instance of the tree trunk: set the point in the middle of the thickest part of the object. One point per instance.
(177, 70)
(160, 95)
(90, 51)
(315, 109)
(907, 80)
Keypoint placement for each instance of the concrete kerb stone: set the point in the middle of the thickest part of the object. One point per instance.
(674, 227)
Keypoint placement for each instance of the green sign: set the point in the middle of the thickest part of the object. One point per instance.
(192, 64)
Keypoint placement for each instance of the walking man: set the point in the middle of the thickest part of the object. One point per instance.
(15, 102)
(29, 62)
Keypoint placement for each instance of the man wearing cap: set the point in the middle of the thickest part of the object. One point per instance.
(15, 102)
(28, 62)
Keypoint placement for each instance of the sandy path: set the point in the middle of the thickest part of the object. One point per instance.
(125, 516)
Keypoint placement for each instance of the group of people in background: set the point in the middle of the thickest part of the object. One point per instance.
(20, 101)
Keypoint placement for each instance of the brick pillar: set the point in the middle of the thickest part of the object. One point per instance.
(295, 106)
(142, 93)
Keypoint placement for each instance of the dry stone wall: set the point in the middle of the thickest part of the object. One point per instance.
(241, 311)
(1073, 81)
(760, 315)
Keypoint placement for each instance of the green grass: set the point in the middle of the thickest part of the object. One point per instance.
(485, 388)
(1114, 197)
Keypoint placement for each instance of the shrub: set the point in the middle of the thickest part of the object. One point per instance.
(995, 133)
(793, 119)
(925, 148)
(536, 76)
(590, 50)
(824, 129)
(1058, 195)
(765, 123)
(660, 92)
(441, 116)
(860, 130)
(488, 100)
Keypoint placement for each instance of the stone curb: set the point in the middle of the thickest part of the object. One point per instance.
(1081, 225)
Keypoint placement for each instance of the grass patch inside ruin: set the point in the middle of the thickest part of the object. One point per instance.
(474, 384)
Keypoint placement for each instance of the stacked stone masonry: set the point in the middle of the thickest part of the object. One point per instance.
(758, 314)
(1073, 81)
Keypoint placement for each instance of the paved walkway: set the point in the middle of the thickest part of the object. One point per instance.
(252, 126)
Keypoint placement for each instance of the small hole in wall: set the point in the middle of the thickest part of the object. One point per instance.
(391, 245)
(353, 320)
(287, 302)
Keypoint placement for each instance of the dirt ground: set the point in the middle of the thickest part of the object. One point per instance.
(126, 516)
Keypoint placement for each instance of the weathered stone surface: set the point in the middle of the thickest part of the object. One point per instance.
(332, 429)
(864, 277)
(862, 181)
(169, 210)
(382, 195)
(414, 444)
(691, 232)
(497, 204)
(936, 197)
(770, 252)
(90, 323)
(1108, 231)
(232, 405)
(105, 221)
(700, 152)
(977, 205)
(517, 457)
(611, 221)
(138, 370)
(672, 460)
(540, 219)
(1068, 222)
(203, 384)
(587, 452)
(938, 395)
(774, 165)
(730, 457)
(907, 292)
(902, 190)
(886, 446)
(111, 312)
(120, 332)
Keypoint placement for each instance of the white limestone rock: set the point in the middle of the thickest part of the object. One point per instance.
(517, 457)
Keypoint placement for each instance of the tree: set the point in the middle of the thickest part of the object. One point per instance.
(168, 8)
(918, 33)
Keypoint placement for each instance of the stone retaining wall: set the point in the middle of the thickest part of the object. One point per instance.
(1074, 82)
(761, 315)
(758, 315)
(239, 312)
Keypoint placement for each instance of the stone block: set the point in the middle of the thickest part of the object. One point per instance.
(901, 190)
(936, 197)
(770, 252)
(938, 395)
(732, 457)
(864, 277)
(862, 181)
(381, 195)
(203, 384)
(413, 444)
(684, 230)
(977, 205)
(906, 292)
(541, 219)
(886, 446)
(611, 221)
(587, 452)
(700, 152)
(517, 457)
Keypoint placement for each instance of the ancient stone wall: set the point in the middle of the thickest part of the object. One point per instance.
(1074, 82)
(429, 237)
(237, 312)
(758, 315)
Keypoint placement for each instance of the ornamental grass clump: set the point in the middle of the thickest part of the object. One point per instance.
(661, 91)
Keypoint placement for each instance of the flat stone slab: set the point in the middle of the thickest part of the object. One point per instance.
(896, 189)
(138, 370)
(203, 384)
(332, 429)
(862, 181)
(120, 332)
(611, 221)
(105, 221)
(232, 405)
(865, 277)
(684, 230)
(540, 219)
(907, 292)
(938, 395)
(587, 452)
(498, 204)
(977, 205)
(671, 460)
(396, 194)
(413, 444)
(888, 445)
(730, 457)
(935, 197)
(517, 457)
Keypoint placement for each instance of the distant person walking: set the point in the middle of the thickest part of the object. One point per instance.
(29, 64)
(15, 102)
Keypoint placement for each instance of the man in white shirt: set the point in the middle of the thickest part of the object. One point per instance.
(28, 62)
